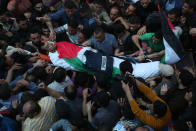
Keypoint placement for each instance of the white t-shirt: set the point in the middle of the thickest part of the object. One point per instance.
(146, 70)
(59, 87)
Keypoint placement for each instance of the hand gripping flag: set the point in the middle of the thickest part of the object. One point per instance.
(174, 50)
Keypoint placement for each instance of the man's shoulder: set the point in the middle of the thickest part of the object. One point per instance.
(110, 37)
(47, 99)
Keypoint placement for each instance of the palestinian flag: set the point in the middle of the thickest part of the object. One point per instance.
(71, 57)
(174, 50)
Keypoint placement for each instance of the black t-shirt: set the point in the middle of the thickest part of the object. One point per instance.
(144, 12)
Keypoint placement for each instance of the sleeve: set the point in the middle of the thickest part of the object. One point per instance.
(13, 83)
(106, 18)
(148, 93)
(61, 29)
(27, 125)
(61, 124)
(114, 43)
(10, 50)
(32, 86)
(95, 122)
(57, 15)
(146, 36)
(90, 41)
(143, 116)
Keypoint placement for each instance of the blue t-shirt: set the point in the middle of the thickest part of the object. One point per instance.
(107, 46)
(61, 16)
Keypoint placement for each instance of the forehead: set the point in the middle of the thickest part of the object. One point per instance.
(38, 4)
(98, 5)
(131, 7)
(26, 107)
(114, 10)
(144, 1)
(22, 21)
(35, 34)
(171, 15)
(80, 34)
(98, 34)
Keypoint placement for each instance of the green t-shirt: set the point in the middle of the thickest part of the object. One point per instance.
(154, 47)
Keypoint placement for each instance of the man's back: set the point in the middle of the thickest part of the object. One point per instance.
(107, 116)
(45, 119)
(107, 46)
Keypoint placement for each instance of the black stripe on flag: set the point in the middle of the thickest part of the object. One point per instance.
(170, 37)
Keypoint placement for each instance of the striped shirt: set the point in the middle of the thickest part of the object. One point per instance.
(45, 119)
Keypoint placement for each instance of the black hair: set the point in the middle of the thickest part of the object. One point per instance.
(5, 92)
(36, 2)
(15, 39)
(159, 108)
(126, 66)
(186, 77)
(159, 35)
(83, 10)
(20, 18)
(44, 26)
(118, 8)
(118, 28)
(104, 128)
(98, 29)
(34, 108)
(3, 63)
(62, 109)
(175, 12)
(133, 4)
(192, 23)
(180, 125)
(99, 2)
(40, 93)
(193, 99)
(86, 32)
(30, 77)
(73, 23)
(3, 46)
(192, 4)
(60, 74)
(153, 22)
(69, 4)
(103, 98)
(142, 127)
(135, 20)
(34, 30)
(81, 79)
(1, 26)
(70, 92)
(26, 96)
(28, 10)
(40, 73)
(102, 80)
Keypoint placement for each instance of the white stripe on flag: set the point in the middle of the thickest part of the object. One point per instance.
(170, 55)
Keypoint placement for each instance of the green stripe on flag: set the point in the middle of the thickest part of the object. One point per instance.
(77, 64)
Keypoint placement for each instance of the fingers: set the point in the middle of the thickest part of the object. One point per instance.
(189, 123)
(16, 66)
(14, 103)
(42, 85)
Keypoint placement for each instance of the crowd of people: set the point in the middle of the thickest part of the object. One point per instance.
(96, 65)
